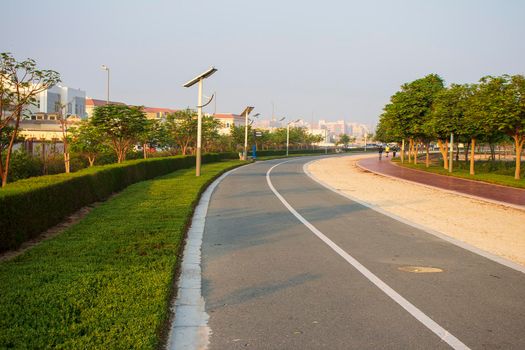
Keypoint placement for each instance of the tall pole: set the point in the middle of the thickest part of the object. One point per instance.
(451, 152)
(325, 141)
(199, 130)
(403, 151)
(108, 87)
(365, 141)
(287, 137)
(245, 135)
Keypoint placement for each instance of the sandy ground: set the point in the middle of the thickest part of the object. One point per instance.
(493, 228)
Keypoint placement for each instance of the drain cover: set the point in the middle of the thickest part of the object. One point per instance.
(419, 269)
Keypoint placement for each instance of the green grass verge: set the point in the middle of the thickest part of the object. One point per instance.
(499, 179)
(106, 282)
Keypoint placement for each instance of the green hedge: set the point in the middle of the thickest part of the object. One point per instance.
(29, 207)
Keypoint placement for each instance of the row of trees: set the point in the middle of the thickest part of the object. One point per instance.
(425, 111)
(121, 128)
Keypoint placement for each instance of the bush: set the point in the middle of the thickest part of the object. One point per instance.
(23, 165)
(33, 205)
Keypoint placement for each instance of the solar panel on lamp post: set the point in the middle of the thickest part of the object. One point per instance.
(199, 79)
(246, 111)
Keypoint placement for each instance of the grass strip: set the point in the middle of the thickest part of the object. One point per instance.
(104, 283)
(499, 179)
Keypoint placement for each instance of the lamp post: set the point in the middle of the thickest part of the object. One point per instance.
(246, 111)
(199, 79)
(106, 68)
(288, 134)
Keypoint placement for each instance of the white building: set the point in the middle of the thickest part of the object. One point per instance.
(51, 100)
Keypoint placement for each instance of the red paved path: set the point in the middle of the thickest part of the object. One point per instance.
(514, 196)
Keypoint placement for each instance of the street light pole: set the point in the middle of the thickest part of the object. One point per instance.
(106, 68)
(199, 130)
(199, 79)
(246, 111)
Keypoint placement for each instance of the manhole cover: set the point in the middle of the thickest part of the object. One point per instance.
(419, 269)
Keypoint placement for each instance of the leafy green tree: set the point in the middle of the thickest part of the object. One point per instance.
(210, 132)
(448, 116)
(344, 140)
(182, 128)
(120, 124)
(154, 135)
(408, 111)
(20, 83)
(506, 108)
(88, 141)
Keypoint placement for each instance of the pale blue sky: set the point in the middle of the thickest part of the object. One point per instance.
(331, 59)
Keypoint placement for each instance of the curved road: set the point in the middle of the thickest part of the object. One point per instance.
(289, 264)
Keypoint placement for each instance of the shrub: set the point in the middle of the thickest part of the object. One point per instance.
(33, 205)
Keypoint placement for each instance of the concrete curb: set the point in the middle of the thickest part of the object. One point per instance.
(189, 329)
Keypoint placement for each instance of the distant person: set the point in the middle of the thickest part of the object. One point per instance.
(380, 150)
(387, 149)
(394, 150)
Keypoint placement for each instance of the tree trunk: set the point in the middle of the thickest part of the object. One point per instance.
(466, 151)
(410, 148)
(10, 149)
(67, 163)
(492, 152)
(473, 141)
(427, 161)
(403, 151)
(443, 149)
(415, 150)
(518, 141)
(457, 152)
(145, 151)
(91, 160)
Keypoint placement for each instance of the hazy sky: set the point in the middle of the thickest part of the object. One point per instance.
(327, 59)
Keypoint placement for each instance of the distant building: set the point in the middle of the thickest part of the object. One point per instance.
(158, 113)
(58, 99)
(91, 103)
(227, 120)
(151, 112)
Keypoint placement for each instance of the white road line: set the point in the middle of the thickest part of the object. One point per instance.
(442, 333)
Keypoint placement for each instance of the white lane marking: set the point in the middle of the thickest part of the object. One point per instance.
(498, 259)
(442, 333)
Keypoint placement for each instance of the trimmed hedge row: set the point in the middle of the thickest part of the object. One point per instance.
(29, 207)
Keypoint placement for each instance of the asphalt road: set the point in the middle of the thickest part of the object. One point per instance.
(271, 282)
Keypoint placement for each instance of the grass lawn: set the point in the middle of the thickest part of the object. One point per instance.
(106, 282)
(463, 172)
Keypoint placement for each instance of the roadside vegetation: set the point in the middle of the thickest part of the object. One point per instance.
(499, 172)
(106, 282)
(425, 112)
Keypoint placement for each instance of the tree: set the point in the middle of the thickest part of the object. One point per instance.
(507, 109)
(182, 128)
(408, 111)
(120, 124)
(154, 135)
(448, 116)
(20, 83)
(344, 139)
(210, 132)
(88, 140)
